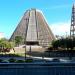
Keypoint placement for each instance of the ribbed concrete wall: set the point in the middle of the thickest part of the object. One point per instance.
(32, 32)
(34, 28)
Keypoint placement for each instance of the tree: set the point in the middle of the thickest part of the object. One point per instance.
(5, 45)
(73, 42)
(65, 43)
(55, 44)
(18, 40)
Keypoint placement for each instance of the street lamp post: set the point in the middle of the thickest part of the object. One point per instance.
(25, 52)
(26, 35)
(30, 50)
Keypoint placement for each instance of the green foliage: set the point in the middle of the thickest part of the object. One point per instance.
(18, 40)
(1, 60)
(12, 60)
(64, 43)
(5, 45)
(28, 60)
(20, 61)
(55, 44)
(12, 44)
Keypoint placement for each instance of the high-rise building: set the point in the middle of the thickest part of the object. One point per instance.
(34, 29)
(72, 28)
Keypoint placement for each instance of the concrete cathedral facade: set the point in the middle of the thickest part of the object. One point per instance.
(34, 29)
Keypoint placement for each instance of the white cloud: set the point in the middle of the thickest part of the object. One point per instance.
(61, 28)
(1, 35)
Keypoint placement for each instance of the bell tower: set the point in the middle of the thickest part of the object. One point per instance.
(72, 28)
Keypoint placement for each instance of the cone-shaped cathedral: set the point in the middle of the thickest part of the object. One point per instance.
(34, 29)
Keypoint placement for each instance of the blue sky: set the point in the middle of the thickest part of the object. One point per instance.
(56, 12)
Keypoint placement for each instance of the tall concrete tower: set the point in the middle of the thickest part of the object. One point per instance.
(72, 28)
(34, 29)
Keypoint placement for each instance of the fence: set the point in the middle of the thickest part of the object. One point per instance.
(37, 69)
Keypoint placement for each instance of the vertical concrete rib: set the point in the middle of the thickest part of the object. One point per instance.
(36, 24)
(31, 33)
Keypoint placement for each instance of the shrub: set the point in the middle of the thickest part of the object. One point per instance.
(1, 60)
(20, 61)
(12, 60)
(29, 60)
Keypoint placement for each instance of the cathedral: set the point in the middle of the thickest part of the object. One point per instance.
(34, 29)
